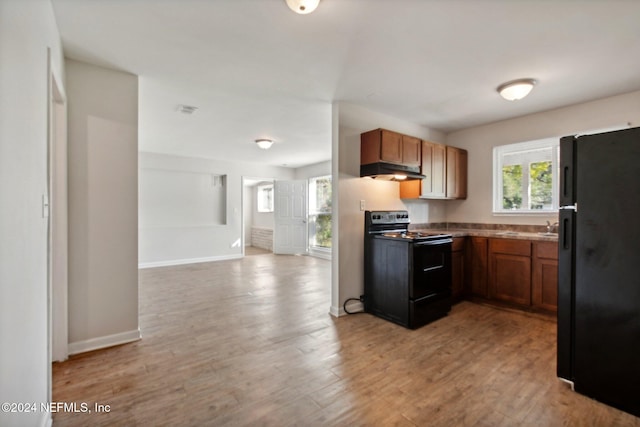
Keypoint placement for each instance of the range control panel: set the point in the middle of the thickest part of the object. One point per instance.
(389, 217)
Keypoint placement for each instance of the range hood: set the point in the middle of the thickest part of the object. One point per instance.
(391, 171)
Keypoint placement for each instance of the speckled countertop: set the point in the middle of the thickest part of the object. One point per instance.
(504, 231)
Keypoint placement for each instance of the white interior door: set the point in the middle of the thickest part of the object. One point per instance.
(290, 218)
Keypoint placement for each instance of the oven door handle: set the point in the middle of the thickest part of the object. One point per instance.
(434, 242)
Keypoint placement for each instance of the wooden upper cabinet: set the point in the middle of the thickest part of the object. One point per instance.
(411, 149)
(381, 145)
(457, 159)
(445, 169)
(410, 189)
(390, 147)
(434, 168)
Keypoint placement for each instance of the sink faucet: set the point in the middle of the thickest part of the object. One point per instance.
(550, 226)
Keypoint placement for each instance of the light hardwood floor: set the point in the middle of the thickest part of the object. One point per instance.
(249, 342)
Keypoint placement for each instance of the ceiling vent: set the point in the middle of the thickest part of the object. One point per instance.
(187, 109)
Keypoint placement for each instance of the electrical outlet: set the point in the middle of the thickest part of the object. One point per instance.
(361, 205)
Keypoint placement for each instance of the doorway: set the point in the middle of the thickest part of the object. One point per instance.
(58, 220)
(257, 213)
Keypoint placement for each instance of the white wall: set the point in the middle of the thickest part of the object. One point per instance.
(103, 206)
(314, 170)
(198, 243)
(27, 30)
(248, 202)
(347, 262)
(480, 140)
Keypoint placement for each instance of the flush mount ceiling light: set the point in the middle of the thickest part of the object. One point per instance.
(265, 144)
(187, 109)
(302, 6)
(516, 89)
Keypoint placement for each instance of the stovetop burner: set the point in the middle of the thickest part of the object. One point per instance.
(405, 235)
(395, 225)
(414, 235)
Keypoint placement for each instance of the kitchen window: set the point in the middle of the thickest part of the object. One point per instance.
(525, 177)
(320, 212)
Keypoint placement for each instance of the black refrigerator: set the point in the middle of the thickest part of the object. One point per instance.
(599, 267)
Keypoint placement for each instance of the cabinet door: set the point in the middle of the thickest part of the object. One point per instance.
(544, 285)
(510, 277)
(410, 189)
(391, 147)
(510, 270)
(411, 149)
(434, 167)
(478, 260)
(456, 173)
(457, 267)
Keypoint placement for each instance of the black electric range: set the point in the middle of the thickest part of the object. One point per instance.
(407, 275)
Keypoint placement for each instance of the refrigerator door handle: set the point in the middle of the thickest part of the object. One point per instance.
(573, 207)
(566, 294)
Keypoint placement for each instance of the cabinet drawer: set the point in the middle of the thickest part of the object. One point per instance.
(510, 246)
(547, 250)
(458, 244)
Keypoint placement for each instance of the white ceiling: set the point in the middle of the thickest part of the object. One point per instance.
(257, 70)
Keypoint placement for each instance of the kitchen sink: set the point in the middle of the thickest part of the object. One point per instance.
(548, 234)
(507, 233)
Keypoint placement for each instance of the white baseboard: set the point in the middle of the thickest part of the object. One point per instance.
(334, 311)
(187, 261)
(320, 254)
(353, 307)
(46, 420)
(104, 342)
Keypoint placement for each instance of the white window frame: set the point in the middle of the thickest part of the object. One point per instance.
(262, 199)
(314, 211)
(527, 150)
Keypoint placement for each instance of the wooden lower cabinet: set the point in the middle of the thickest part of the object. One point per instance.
(478, 258)
(544, 284)
(510, 271)
(457, 267)
(519, 273)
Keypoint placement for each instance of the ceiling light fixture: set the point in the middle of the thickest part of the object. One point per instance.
(302, 6)
(516, 89)
(265, 144)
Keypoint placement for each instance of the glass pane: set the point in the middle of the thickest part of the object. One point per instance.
(512, 187)
(322, 236)
(323, 194)
(265, 198)
(540, 174)
(320, 212)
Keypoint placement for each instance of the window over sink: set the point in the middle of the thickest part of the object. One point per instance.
(525, 177)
